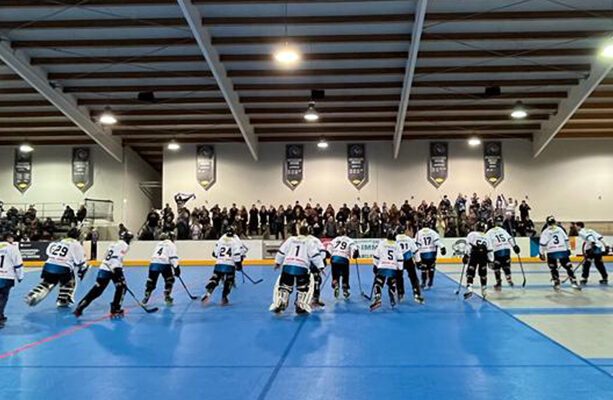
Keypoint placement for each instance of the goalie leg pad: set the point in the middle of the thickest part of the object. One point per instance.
(68, 286)
(305, 285)
(39, 293)
(281, 293)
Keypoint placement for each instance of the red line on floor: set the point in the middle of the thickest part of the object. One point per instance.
(54, 337)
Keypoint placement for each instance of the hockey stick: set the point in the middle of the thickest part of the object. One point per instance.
(372, 291)
(521, 265)
(523, 273)
(191, 296)
(251, 279)
(144, 307)
(575, 269)
(457, 292)
(357, 270)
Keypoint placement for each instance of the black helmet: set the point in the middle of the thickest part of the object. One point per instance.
(498, 220)
(480, 226)
(7, 236)
(126, 236)
(391, 234)
(73, 233)
(229, 231)
(550, 220)
(168, 236)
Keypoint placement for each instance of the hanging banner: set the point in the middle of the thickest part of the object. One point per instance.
(82, 171)
(206, 166)
(293, 168)
(493, 162)
(22, 171)
(357, 165)
(438, 163)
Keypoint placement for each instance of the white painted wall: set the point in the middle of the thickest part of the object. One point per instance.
(572, 179)
(52, 181)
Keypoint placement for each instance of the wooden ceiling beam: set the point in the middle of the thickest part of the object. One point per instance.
(494, 53)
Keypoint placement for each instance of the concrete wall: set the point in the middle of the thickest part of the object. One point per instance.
(52, 181)
(571, 179)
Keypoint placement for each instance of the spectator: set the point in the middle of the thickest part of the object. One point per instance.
(81, 213)
(524, 210)
(68, 217)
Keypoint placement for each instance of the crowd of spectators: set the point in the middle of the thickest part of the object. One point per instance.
(450, 219)
(26, 225)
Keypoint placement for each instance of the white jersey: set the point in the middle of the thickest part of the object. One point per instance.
(501, 241)
(113, 258)
(319, 245)
(408, 247)
(11, 265)
(165, 252)
(342, 246)
(428, 242)
(300, 252)
(388, 255)
(67, 253)
(243, 248)
(554, 240)
(228, 250)
(475, 239)
(591, 238)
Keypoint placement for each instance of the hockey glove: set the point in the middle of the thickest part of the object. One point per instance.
(542, 257)
(356, 254)
(239, 266)
(177, 271)
(465, 259)
(82, 271)
(516, 249)
(443, 251)
(374, 269)
(277, 266)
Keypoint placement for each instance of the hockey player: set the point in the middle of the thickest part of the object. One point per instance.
(477, 254)
(229, 253)
(387, 261)
(502, 244)
(11, 270)
(341, 249)
(297, 257)
(111, 269)
(166, 262)
(594, 247)
(428, 243)
(317, 272)
(63, 258)
(410, 256)
(554, 248)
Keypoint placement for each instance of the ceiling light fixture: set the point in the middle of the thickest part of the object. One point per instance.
(519, 111)
(322, 144)
(607, 49)
(26, 148)
(287, 55)
(311, 114)
(173, 145)
(107, 117)
(474, 142)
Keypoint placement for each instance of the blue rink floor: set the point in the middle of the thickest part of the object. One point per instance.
(447, 349)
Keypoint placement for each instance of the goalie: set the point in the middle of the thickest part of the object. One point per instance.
(63, 258)
(297, 258)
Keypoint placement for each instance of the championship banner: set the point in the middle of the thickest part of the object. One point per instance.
(206, 166)
(293, 168)
(357, 165)
(438, 163)
(493, 162)
(22, 170)
(82, 171)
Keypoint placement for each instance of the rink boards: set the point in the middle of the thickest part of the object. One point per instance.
(523, 343)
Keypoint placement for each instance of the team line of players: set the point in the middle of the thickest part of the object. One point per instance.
(302, 260)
